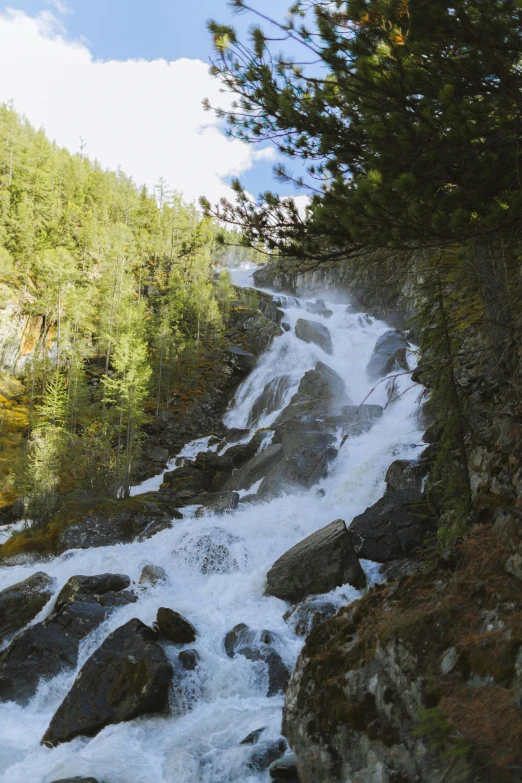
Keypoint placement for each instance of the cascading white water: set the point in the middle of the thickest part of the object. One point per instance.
(202, 746)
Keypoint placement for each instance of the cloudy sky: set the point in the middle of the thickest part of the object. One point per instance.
(128, 77)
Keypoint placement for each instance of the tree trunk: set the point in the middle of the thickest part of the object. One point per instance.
(490, 272)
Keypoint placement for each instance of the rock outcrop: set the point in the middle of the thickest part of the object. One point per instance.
(394, 527)
(127, 676)
(322, 561)
(314, 332)
(20, 603)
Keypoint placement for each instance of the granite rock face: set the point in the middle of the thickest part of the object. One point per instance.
(322, 561)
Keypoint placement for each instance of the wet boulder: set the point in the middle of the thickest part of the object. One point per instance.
(217, 503)
(128, 675)
(76, 780)
(208, 472)
(20, 603)
(257, 646)
(319, 308)
(256, 468)
(189, 660)
(314, 332)
(242, 452)
(356, 419)
(153, 575)
(264, 753)
(235, 434)
(322, 561)
(45, 649)
(175, 627)
(306, 459)
(405, 474)
(270, 399)
(389, 355)
(304, 617)
(321, 392)
(392, 528)
(285, 769)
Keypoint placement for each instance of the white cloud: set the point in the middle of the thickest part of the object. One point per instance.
(145, 116)
(59, 6)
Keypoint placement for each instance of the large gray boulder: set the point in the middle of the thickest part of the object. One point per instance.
(128, 675)
(45, 649)
(243, 362)
(20, 603)
(389, 355)
(392, 528)
(314, 332)
(322, 561)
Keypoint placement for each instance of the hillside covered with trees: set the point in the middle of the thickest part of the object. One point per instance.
(109, 306)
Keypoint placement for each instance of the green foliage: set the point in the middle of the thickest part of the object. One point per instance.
(432, 725)
(117, 288)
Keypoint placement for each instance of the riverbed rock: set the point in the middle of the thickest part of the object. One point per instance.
(45, 649)
(208, 472)
(257, 646)
(256, 468)
(189, 660)
(356, 419)
(217, 503)
(319, 308)
(321, 392)
(392, 528)
(306, 458)
(127, 676)
(322, 561)
(304, 617)
(111, 526)
(175, 627)
(285, 768)
(20, 603)
(389, 355)
(76, 780)
(242, 452)
(314, 332)
(406, 474)
(153, 575)
(264, 753)
(270, 399)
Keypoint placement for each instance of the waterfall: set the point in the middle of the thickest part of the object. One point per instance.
(226, 695)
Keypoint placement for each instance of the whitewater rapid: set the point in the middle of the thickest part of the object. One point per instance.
(202, 746)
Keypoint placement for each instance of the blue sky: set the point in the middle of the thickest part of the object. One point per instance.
(123, 31)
